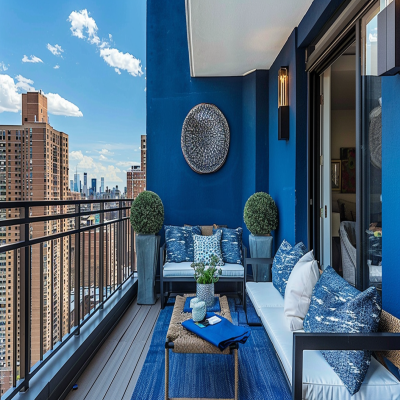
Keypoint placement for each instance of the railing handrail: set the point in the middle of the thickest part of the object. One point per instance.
(39, 203)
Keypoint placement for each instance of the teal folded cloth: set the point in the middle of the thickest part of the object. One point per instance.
(221, 335)
(215, 308)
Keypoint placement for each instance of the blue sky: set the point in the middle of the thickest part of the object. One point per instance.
(88, 57)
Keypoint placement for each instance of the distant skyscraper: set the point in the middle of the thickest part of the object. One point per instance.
(85, 188)
(102, 185)
(76, 182)
(71, 185)
(94, 185)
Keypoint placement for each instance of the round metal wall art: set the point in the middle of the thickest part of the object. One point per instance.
(205, 138)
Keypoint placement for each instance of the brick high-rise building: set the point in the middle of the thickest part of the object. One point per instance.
(143, 152)
(136, 176)
(33, 166)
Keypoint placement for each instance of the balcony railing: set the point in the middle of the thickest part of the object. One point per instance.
(60, 261)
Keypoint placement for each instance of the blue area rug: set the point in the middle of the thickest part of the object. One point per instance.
(210, 375)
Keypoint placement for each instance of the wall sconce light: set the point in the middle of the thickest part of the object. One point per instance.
(283, 103)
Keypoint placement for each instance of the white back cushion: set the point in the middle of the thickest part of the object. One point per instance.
(299, 289)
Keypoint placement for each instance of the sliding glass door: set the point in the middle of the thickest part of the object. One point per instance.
(371, 153)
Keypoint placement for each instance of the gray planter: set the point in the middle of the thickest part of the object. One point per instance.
(261, 247)
(205, 292)
(147, 247)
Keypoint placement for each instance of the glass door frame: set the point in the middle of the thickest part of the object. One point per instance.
(352, 33)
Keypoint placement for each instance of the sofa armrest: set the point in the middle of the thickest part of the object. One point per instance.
(335, 341)
(162, 257)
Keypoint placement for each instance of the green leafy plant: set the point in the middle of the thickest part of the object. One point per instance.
(261, 214)
(206, 275)
(147, 213)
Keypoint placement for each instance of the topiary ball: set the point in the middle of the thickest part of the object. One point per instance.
(261, 214)
(147, 213)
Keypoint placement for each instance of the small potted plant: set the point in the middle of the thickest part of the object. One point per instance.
(261, 217)
(147, 218)
(205, 277)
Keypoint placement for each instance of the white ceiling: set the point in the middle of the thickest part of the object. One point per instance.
(233, 37)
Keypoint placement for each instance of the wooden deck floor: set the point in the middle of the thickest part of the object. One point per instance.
(114, 371)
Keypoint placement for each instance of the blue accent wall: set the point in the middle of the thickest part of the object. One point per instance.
(190, 198)
(390, 194)
(288, 159)
(254, 136)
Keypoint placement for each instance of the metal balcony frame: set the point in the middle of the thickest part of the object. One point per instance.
(121, 227)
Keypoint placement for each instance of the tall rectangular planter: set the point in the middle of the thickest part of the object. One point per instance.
(147, 259)
(261, 247)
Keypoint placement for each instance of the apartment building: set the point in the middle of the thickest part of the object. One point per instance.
(33, 166)
(136, 176)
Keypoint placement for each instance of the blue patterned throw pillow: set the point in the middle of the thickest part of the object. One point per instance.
(231, 245)
(179, 243)
(338, 307)
(206, 246)
(284, 261)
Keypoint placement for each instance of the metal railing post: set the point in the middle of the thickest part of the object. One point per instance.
(119, 244)
(15, 316)
(41, 305)
(77, 290)
(25, 305)
(101, 256)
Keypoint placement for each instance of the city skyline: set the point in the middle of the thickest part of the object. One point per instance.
(92, 72)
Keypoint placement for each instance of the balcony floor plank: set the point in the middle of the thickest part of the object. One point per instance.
(127, 367)
(114, 370)
(93, 370)
(135, 376)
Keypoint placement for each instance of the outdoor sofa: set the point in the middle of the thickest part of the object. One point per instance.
(183, 272)
(308, 374)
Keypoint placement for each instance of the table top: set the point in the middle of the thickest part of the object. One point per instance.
(187, 342)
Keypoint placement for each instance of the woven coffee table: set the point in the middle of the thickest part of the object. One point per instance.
(181, 340)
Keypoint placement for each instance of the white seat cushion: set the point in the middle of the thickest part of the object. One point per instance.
(264, 294)
(319, 379)
(184, 269)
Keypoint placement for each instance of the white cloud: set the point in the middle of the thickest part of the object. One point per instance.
(56, 66)
(59, 106)
(106, 151)
(32, 59)
(82, 24)
(55, 50)
(124, 61)
(127, 164)
(10, 99)
(24, 84)
(3, 67)
(103, 158)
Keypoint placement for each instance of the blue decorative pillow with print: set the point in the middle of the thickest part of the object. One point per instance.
(231, 245)
(207, 246)
(179, 243)
(284, 261)
(338, 307)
